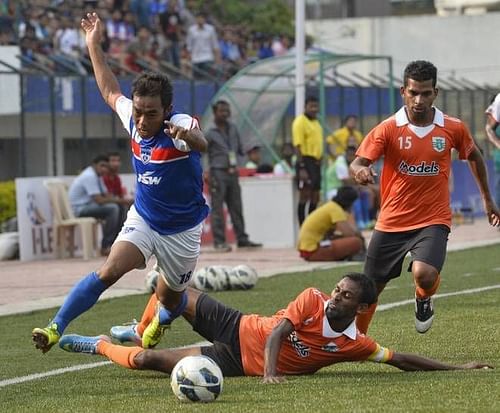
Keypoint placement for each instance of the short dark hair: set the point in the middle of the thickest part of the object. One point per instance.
(346, 196)
(367, 286)
(420, 70)
(311, 98)
(112, 154)
(220, 102)
(100, 158)
(153, 84)
(346, 118)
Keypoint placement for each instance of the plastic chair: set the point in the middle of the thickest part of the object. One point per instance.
(65, 222)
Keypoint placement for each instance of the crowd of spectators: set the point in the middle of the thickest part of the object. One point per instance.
(140, 34)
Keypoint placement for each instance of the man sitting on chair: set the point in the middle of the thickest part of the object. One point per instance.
(89, 198)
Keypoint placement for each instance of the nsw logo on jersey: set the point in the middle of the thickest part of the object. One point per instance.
(145, 154)
(422, 169)
(147, 178)
(438, 143)
(331, 347)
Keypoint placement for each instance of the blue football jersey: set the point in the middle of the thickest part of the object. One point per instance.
(169, 188)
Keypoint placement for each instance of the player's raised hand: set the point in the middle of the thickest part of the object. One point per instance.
(93, 28)
(175, 131)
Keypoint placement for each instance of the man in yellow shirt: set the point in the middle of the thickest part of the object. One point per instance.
(308, 140)
(346, 136)
(331, 218)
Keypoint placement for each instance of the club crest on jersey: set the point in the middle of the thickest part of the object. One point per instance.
(145, 154)
(438, 144)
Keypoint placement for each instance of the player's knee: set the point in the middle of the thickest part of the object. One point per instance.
(425, 279)
(110, 272)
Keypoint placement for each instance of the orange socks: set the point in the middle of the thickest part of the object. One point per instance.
(421, 293)
(363, 319)
(148, 314)
(124, 356)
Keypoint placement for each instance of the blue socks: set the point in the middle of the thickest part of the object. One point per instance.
(167, 316)
(82, 297)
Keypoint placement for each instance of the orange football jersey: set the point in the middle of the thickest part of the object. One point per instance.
(312, 345)
(417, 161)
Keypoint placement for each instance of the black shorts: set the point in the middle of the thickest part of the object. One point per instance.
(387, 250)
(313, 168)
(220, 325)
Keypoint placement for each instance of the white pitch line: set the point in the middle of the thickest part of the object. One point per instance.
(382, 307)
(17, 380)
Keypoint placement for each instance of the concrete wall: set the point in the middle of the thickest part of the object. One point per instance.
(460, 46)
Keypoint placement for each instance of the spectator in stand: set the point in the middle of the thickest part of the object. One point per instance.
(142, 50)
(224, 145)
(203, 46)
(327, 234)
(140, 8)
(114, 184)
(265, 49)
(230, 53)
(171, 27)
(89, 198)
(347, 135)
(116, 27)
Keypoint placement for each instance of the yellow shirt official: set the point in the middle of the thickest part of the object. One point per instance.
(308, 134)
(318, 223)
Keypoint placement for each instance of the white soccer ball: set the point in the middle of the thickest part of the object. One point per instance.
(196, 379)
(242, 277)
(211, 278)
(151, 280)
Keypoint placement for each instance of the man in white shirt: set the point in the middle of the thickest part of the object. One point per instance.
(203, 45)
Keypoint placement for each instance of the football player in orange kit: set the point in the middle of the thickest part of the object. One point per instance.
(314, 331)
(415, 214)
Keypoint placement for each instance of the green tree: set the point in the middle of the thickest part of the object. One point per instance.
(265, 16)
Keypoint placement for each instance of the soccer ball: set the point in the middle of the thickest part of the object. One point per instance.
(151, 279)
(242, 277)
(196, 379)
(211, 278)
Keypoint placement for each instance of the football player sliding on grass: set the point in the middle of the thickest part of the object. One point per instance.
(314, 331)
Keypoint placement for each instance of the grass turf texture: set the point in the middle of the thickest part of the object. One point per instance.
(465, 329)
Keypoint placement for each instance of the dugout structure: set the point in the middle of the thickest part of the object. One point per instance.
(261, 93)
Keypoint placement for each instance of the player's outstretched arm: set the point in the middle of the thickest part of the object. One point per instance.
(413, 362)
(478, 169)
(106, 80)
(272, 351)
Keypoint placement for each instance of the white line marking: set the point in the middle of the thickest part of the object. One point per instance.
(387, 306)
(17, 380)
(382, 307)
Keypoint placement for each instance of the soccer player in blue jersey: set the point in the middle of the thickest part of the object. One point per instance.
(169, 207)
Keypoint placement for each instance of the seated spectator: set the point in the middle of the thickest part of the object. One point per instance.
(141, 51)
(114, 185)
(253, 155)
(230, 53)
(89, 198)
(265, 49)
(331, 218)
(287, 163)
(345, 136)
